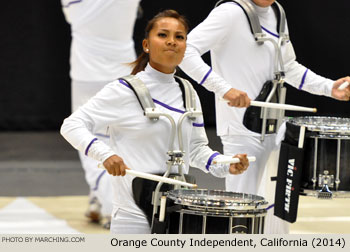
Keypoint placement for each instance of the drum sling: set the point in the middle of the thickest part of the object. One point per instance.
(289, 175)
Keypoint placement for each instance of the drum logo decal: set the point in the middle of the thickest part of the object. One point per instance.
(289, 181)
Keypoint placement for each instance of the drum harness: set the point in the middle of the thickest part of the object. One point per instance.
(153, 113)
(267, 120)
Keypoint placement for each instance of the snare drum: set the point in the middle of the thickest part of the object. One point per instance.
(327, 154)
(216, 212)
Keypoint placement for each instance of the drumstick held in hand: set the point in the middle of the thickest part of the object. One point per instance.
(278, 106)
(282, 106)
(156, 178)
(343, 86)
(233, 160)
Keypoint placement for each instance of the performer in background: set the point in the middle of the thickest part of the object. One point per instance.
(102, 45)
(240, 67)
(137, 142)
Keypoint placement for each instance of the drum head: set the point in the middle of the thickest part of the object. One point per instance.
(217, 199)
(323, 124)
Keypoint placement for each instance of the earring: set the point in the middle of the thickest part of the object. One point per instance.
(147, 50)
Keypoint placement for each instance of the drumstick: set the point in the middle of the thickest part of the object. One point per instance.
(278, 106)
(282, 106)
(159, 178)
(301, 137)
(343, 86)
(162, 209)
(233, 160)
(156, 178)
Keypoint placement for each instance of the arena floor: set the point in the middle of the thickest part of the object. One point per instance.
(42, 190)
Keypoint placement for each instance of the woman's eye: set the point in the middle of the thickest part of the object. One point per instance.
(180, 37)
(162, 35)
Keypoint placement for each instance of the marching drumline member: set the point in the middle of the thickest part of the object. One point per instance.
(137, 142)
(240, 67)
(101, 46)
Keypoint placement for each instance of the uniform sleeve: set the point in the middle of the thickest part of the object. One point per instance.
(201, 155)
(206, 36)
(303, 78)
(100, 111)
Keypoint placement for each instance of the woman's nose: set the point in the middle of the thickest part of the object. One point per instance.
(171, 41)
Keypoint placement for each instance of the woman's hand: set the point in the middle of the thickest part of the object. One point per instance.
(237, 98)
(342, 95)
(239, 168)
(115, 165)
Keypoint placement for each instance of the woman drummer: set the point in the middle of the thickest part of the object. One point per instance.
(137, 142)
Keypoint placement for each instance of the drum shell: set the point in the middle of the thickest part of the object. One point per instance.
(326, 160)
(198, 222)
(218, 218)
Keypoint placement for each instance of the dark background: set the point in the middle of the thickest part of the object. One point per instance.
(34, 56)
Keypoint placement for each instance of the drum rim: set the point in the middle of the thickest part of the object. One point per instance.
(256, 202)
(345, 129)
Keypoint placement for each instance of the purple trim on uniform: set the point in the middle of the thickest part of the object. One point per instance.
(101, 135)
(303, 79)
(156, 101)
(168, 107)
(72, 2)
(87, 148)
(98, 180)
(273, 34)
(198, 124)
(211, 159)
(124, 83)
(206, 76)
(270, 206)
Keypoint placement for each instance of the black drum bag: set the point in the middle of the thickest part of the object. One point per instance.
(143, 190)
(252, 120)
(289, 176)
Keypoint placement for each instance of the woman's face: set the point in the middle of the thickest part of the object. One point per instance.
(166, 44)
(263, 3)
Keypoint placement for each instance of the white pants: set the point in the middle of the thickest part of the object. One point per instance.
(256, 180)
(124, 222)
(97, 179)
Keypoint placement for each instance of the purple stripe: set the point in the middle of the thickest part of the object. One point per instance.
(98, 180)
(303, 79)
(158, 102)
(270, 206)
(87, 148)
(273, 34)
(206, 76)
(72, 2)
(211, 159)
(124, 83)
(198, 124)
(168, 107)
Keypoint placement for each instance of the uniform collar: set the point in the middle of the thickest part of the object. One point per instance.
(162, 77)
(260, 10)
